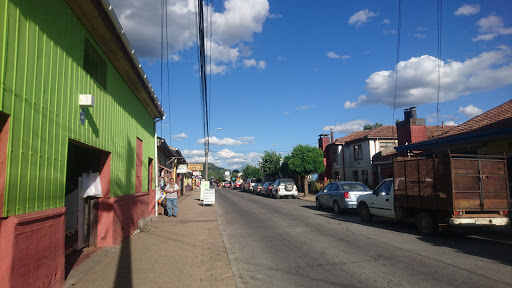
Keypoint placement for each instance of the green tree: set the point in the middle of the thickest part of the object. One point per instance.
(270, 164)
(250, 171)
(285, 168)
(306, 160)
(370, 126)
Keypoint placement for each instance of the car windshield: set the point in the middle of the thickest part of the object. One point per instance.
(354, 187)
(286, 181)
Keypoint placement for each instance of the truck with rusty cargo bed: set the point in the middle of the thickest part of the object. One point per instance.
(442, 191)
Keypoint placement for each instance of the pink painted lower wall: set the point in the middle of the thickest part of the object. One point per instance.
(32, 249)
(118, 216)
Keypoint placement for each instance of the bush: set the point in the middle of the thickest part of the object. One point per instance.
(315, 186)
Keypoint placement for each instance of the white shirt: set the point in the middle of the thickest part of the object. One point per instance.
(171, 188)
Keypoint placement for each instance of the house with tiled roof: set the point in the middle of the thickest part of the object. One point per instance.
(487, 133)
(349, 158)
(352, 157)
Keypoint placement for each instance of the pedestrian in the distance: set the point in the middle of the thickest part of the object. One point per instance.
(171, 198)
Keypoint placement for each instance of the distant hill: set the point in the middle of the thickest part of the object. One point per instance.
(214, 171)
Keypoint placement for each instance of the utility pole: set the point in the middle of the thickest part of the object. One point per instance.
(206, 152)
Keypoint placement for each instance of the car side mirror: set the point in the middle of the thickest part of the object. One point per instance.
(375, 192)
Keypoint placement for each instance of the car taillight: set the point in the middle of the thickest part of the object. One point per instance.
(279, 189)
(347, 196)
(504, 213)
(458, 213)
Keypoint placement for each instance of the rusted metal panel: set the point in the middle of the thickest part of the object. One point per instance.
(461, 182)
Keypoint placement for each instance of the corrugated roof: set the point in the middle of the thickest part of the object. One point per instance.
(496, 118)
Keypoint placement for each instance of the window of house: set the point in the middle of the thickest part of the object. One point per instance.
(358, 152)
(384, 145)
(355, 175)
(334, 155)
(138, 167)
(94, 64)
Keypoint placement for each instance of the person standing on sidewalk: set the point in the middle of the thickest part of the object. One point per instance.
(171, 198)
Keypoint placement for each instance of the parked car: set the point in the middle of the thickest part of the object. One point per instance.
(341, 195)
(237, 184)
(249, 184)
(227, 184)
(257, 188)
(284, 187)
(267, 189)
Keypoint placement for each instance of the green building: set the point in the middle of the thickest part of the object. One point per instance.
(73, 102)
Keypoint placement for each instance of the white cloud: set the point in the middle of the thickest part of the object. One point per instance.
(389, 31)
(361, 17)
(470, 111)
(238, 159)
(417, 79)
(275, 16)
(237, 23)
(281, 58)
(286, 113)
(432, 118)
(222, 142)
(303, 107)
(247, 63)
(351, 126)
(333, 55)
(419, 35)
(366, 52)
(468, 9)
(217, 69)
(385, 21)
(450, 123)
(181, 136)
(193, 153)
(360, 100)
(246, 139)
(491, 27)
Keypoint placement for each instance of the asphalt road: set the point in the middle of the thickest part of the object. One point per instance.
(289, 243)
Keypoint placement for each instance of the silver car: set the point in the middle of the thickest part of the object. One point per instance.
(341, 195)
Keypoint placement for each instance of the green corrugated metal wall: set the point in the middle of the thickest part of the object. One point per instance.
(41, 61)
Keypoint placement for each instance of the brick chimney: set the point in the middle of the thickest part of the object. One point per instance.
(412, 129)
(323, 141)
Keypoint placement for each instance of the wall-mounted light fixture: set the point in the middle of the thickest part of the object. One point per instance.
(86, 100)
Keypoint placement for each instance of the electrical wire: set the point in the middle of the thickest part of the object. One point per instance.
(161, 59)
(168, 73)
(439, 33)
(397, 59)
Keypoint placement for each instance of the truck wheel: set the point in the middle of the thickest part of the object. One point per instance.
(364, 212)
(336, 207)
(318, 205)
(426, 224)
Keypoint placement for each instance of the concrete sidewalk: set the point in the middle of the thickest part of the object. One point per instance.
(187, 251)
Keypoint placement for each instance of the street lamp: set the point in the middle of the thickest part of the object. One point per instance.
(206, 151)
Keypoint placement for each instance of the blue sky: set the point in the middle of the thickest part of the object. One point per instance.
(284, 72)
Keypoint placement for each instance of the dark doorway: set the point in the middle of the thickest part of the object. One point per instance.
(81, 213)
(4, 137)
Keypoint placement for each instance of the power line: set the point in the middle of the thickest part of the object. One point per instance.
(397, 59)
(168, 74)
(439, 33)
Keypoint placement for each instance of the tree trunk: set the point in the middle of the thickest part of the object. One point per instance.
(306, 188)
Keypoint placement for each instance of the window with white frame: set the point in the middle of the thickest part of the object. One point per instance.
(358, 152)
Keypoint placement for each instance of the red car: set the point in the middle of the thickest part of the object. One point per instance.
(227, 185)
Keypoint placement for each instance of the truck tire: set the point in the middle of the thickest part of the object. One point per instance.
(364, 212)
(426, 223)
(288, 187)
